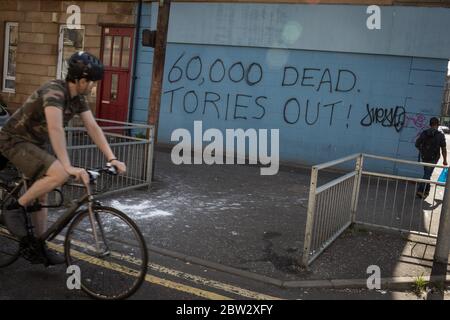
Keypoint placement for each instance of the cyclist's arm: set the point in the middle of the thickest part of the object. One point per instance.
(96, 133)
(54, 117)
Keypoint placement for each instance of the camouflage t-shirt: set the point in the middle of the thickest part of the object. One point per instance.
(29, 123)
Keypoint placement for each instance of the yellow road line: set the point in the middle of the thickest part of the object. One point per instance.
(212, 283)
(186, 276)
(148, 278)
(175, 273)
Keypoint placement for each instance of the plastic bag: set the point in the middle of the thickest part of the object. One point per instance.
(443, 176)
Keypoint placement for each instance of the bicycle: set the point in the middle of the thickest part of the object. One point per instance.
(97, 239)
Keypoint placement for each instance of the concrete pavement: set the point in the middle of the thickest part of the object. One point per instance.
(250, 228)
(232, 219)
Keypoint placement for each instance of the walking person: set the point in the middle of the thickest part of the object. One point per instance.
(430, 143)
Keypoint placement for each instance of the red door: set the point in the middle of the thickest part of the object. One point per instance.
(116, 56)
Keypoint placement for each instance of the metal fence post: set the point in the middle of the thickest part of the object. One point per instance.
(151, 142)
(356, 187)
(310, 217)
(443, 238)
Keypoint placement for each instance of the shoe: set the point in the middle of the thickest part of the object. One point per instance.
(14, 219)
(53, 258)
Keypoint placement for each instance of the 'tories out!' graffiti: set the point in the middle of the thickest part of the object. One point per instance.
(213, 87)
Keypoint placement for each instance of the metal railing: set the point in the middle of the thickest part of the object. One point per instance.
(331, 207)
(129, 143)
(370, 199)
(389, 201)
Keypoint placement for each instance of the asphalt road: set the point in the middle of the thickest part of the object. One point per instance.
(170, 279)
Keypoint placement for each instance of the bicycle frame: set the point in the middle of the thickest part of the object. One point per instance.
(64, 219)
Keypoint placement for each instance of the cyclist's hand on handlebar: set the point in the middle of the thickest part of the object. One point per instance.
(79, 174)
(121, 167)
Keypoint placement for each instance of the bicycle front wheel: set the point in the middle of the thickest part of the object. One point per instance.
(109, 251)
(9, 244)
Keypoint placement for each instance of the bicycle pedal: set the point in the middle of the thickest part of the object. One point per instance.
(31, 251)
(38, 260)
(32, 256)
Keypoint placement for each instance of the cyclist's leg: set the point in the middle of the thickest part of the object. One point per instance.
(39, 218)
(37, 164)
(54, 177)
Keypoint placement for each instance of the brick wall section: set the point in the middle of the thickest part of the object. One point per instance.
(9, 13)
(38, 36)
(32, 62)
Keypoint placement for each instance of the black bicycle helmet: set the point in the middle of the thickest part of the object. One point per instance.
(84, 65)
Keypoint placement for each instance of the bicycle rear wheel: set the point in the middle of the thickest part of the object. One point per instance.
(109, 251)
(9, 244)
(9, 247)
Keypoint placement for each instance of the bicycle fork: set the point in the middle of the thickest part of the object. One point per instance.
(94, 217)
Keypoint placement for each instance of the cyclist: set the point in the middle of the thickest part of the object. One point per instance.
(41, 119)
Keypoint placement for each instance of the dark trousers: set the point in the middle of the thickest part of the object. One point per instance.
(427, 173)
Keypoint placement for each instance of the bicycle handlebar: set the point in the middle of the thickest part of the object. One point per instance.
(95, 173)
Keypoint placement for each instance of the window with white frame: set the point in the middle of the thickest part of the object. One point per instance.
(9, 57)
(70, 41)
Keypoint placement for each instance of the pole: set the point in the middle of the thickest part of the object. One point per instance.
(356, 187)
(135, 55)
(159, 56)
(443, 239)
(310, 218)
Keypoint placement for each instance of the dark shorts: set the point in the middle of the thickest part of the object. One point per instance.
(32, 160)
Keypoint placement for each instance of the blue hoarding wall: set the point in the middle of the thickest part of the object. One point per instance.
(326, 104)
(403, 30)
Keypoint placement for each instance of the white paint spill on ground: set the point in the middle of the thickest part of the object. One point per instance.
(143, 205)
(140, 210)
(154, 213)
